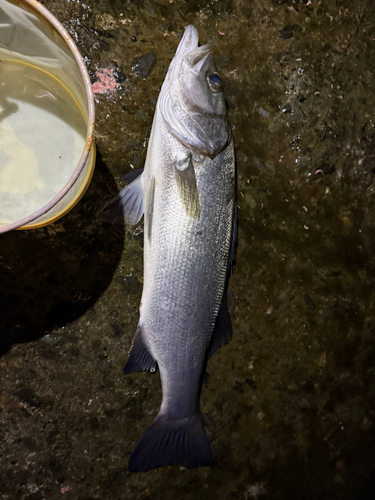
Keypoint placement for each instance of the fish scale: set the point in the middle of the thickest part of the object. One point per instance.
(193, 281)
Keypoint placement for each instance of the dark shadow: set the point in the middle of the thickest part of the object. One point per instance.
(52, 275)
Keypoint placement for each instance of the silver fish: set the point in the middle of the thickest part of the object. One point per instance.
(187, 195)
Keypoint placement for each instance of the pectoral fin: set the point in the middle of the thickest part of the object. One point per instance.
(187, 187)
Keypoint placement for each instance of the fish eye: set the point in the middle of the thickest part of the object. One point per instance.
(214, 81)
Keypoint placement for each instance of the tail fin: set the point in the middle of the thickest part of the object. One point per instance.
(172, 442)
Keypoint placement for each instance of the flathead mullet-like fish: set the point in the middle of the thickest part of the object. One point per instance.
(187, 195)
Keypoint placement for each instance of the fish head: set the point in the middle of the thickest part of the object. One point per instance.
(192, 101)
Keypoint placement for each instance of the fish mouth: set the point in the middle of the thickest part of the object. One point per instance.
(189, 41)
(188, 49)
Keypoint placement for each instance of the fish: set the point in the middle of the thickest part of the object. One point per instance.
(187, 195)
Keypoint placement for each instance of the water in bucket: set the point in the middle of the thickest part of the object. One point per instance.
(42, 134)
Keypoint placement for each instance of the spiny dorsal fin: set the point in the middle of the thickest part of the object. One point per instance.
(234, 242)
(222, 333)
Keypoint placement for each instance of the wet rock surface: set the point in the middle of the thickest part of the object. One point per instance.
(290, 401)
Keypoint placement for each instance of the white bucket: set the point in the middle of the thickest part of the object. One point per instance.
(47, 152)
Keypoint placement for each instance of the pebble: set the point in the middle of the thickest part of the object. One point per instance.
(142, 65)
(131, 284)
(29, 396)
(288, 31)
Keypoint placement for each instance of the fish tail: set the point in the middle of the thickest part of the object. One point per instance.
(172, 442)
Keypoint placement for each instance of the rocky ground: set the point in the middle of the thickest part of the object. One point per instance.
(290, 401)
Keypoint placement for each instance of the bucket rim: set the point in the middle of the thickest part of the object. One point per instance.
(46, 15)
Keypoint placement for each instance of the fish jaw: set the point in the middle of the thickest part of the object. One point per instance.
(189, 41)
(192, 106)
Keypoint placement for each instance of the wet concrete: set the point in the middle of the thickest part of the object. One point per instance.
(290, 402)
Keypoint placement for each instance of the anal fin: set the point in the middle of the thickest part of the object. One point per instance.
(139, 358)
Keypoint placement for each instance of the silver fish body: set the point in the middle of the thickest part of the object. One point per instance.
(187, 195)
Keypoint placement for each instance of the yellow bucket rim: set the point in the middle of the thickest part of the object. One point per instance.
(26, 222)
